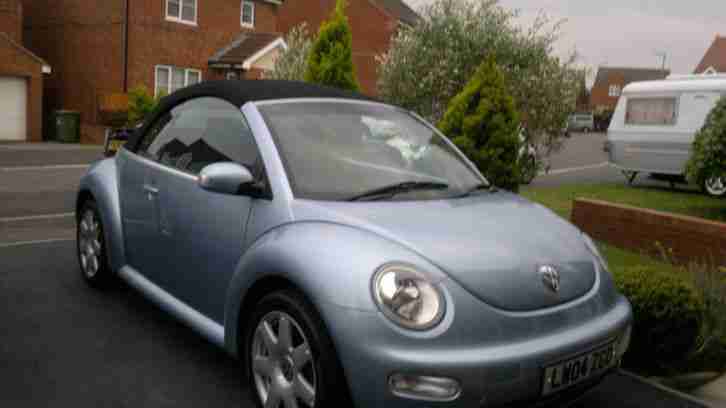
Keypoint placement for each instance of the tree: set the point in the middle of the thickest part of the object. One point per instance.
(708, 157)
(427, 64)
(291, 64)
(331, 58)
(483, 122)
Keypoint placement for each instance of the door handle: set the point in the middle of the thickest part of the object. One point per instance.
(151, 192)
(151, 189)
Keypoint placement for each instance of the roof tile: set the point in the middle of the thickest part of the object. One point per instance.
(244, 46)
(715, 57)
(629, 74)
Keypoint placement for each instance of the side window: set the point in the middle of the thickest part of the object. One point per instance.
(201, 132)
(652, 111)
(152, 133)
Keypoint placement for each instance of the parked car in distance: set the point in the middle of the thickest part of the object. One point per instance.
(348, 254)
(655, 123)
(581, 122)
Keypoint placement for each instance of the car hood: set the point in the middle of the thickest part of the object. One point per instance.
(492, 244)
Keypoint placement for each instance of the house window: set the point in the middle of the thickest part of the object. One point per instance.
(652, 111)
(248, 14)
(170, 79)
(614, 91)
(182, 11)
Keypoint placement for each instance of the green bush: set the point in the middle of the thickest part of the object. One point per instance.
(708, 157)
(483, 123)
(291, 63)
(331, 58)
(141, 104)
(668, 314)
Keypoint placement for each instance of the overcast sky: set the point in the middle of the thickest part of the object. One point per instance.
(630, 32)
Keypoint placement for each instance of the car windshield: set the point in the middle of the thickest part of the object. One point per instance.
(338, 151)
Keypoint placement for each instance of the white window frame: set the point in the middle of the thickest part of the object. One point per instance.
(614, 91)
(169, 69)
(243, 3)
(671, 123)
(178, 18)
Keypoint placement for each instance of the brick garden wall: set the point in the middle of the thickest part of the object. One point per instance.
(691, 239)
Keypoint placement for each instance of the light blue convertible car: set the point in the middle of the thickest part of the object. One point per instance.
(348, 254)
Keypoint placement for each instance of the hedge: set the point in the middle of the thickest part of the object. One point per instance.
(668, 316)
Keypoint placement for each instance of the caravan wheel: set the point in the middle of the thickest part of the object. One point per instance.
(630, 176)
(716, 186)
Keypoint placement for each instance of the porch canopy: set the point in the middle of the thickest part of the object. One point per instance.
(249, 51)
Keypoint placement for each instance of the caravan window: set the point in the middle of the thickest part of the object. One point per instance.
(652, 111)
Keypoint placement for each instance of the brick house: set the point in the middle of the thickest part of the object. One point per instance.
(714, 61)
(610, 81)
(373, 24)
(100, 48)
(21, 79)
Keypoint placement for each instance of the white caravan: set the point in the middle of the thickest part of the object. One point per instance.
(655, 122)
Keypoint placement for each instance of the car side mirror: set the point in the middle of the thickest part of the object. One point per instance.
(225, 178)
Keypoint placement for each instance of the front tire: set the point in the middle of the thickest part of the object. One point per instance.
(290, 359)
(91, 246)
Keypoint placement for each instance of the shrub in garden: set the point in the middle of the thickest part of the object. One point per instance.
(483, 123)
(668, 314)
(292, 62)
(708, 157)
(427, 64)
(141, 104)
(331, 58)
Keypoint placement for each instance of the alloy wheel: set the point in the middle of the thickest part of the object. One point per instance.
(716, 186)
(89, 243)
(282, 363)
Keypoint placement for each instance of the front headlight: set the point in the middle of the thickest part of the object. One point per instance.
(408, 297)
(592, 246)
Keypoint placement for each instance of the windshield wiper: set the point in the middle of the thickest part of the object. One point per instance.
(479, 187)
(399, 188)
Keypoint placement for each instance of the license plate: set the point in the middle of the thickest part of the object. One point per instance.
(576, 370)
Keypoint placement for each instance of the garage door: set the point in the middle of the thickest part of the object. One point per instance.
(13, 103)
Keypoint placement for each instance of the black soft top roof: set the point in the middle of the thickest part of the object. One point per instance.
(240, 92)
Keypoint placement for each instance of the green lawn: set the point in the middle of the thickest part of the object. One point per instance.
(560, 199)
(692, 203)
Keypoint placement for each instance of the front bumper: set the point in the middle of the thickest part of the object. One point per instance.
(503, 367)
